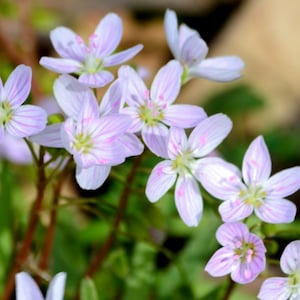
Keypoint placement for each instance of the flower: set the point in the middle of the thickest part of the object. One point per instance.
(242, 254)
(27, 289)
(94, 136)
(190, 50)
(16, 119)
(284, 288)
(152, 111)
(183, 157)
(257, 192)
(89, 62)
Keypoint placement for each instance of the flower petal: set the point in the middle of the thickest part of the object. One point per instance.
(274, 288)
(161, 179)
(177, 142)
(93, 177)
(49, 137)
(56, 288)
(155, 138)
(188, 200)
(290, 258)
(245, 272)
(61, 65)
(131, 144)
(67, 43)
(121, 57)
(223, 69)
(220, 178)
(227, 234)
(283, 183)
(70, 95)
(184, 115)
(96, 80)
(220, 263)
(17, 86)
(26, 288)
(171, 30)
(235, 210)
(27, 120)
(166, 84)
(277, 211)
(209, 134)
(108, 35)
(256, 163)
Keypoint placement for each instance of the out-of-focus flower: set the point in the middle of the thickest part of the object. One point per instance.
(96, 137)
(190, 50)
(27, 289)
(152, 110)
(16, 119)
(252, 189)
(242, 255)
(183, 157)
(284, 288)
(90, 62)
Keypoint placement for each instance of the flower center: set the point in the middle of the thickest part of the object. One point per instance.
(6, 113)
(151, 113)
(183, 163)
(253, 195)
(294, 283)
(244, 251)
(92, 64)
(82, 143)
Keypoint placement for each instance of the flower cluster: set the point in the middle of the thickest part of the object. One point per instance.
(97, 134)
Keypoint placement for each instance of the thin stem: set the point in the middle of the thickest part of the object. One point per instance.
(24, 250)
(229, 290)
(97, 262)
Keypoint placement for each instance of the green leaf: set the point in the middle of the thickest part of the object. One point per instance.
(88, 290)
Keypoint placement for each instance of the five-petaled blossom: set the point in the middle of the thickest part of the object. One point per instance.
(96, 138)
(152, 111)
(190, 50)
(27, 289)
(253, 188)
(242, 255)
(89, 62)
(284, 288)
(182, 160)
(16, 119)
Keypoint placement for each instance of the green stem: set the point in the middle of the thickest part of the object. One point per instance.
(229, 290)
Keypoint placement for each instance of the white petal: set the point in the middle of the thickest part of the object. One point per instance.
(60, 65)
(161, 179)
(177, 142)
(235, 210)
(229, 233)
(290, 258)
(131, 144)
(275, 288)
(171, 30)
(26, 288)
(188, 200)
(56, 288)
(96, 80)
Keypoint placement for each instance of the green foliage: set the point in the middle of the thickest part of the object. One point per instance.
(88, 290)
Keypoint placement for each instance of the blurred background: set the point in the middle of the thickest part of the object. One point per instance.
(265, 34)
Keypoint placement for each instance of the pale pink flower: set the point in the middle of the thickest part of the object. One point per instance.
(90, 62)
(190, 50)
(284, 288)
(182, 161)
(242, 255)
(27, 289)
(152, 111)
(252, 189)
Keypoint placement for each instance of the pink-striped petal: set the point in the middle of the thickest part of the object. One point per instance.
(107, 35)
(61, 65)
(132, 146)
(171, 31)
(184, 115)
(235, 210)
(245, 272)
(136, 122)
(275, 288)
(93, 177)
(26, 288)
(166, 84)
(17, 86)
(283, 183)
(256, 162)
(56, 288)
(223, 69)
(209, 134)
(26, 121)
(121, 57)
(220, 178)
(188, 200)
(290, 258)
(161, 179)
(276, 211)
(177, 142)
(96, 80)
(229, 233)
